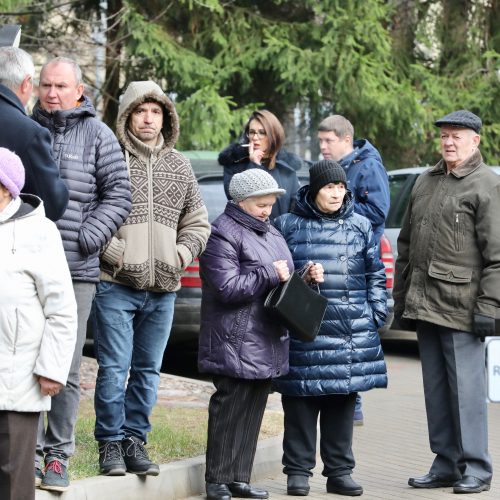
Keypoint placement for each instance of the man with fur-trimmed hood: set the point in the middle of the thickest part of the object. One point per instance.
(140, 273)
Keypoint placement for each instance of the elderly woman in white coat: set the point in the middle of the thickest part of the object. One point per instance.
(37, 325)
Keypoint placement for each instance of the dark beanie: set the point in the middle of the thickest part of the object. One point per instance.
(322, 173)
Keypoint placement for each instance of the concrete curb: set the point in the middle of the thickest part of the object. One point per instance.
(176, 480)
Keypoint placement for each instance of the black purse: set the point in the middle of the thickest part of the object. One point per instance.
(297, 306)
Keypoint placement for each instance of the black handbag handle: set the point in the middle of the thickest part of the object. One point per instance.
(304, 270)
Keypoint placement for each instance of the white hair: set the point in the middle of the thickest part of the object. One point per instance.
(66, 60)
(15, 65)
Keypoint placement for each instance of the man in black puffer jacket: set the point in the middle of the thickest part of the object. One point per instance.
(91, 163)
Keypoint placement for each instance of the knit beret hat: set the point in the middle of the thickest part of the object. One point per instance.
(253, 182)
(11, 172)
(461, 118)
(322, 173)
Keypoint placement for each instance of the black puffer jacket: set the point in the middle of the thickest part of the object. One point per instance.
(91, 163)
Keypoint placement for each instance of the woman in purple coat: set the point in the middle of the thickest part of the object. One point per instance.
(241, 345)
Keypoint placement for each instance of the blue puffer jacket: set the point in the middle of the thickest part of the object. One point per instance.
(346, 356)
(368, 181)
(238, 337)
(235, 159)
(91, 163)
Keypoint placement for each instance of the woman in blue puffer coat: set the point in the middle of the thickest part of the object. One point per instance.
(346, 356)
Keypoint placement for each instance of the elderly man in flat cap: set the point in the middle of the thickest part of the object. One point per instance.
(448, 287)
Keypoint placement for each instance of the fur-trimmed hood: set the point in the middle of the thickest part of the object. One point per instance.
(137, 93)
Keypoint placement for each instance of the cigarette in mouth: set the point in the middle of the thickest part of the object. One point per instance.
(244, 145)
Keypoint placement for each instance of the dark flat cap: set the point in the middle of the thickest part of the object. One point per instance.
(461, 118)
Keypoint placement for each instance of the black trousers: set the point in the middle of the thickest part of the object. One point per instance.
(336, 412)
(235, 415)
(17, 449)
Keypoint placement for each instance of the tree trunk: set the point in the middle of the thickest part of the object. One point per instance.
(111, 88)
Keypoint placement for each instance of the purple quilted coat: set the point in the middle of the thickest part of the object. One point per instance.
(238, 337)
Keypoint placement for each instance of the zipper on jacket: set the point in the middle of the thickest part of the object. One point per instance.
(16, 334)
(458, 232)
(150, 221)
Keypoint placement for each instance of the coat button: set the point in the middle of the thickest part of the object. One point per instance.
(344, 298)
(342, 258)
(341, 221)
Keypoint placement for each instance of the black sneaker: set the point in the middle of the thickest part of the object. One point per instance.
(111, 461)
(137, 458)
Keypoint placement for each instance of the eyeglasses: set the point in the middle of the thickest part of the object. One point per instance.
(259, 133)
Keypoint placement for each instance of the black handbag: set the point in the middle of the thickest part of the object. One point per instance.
(297, 306)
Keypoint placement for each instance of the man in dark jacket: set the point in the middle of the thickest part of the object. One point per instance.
(91, 163)
(366, 179)
(448, 286)
(26, 138)
(366, 175)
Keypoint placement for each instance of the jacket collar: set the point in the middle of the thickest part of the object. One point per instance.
(144, 151)
(63, 119)
(305, 206)
(236, 213)
(11, 98)
(467, 167)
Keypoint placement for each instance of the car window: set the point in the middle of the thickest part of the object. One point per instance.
(212, 192)
(400, 187)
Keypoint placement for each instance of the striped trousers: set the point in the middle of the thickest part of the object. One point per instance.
(235, 415)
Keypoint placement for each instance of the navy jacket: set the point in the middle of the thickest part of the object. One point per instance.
(238, 337)
(367, 179)
(92, 164)
(235, 159)
(346, 356)
(32, 143)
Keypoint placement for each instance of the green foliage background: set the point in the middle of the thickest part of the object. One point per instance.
(391, 66)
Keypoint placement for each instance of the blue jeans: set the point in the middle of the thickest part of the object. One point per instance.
(131, 330)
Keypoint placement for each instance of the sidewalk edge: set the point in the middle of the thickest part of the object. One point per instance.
(180, 479)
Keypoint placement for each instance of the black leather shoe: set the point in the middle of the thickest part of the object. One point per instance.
(470, 484)
(297, 486)
(216, 491)
(343, 485)
(432, 481)
(244, 490)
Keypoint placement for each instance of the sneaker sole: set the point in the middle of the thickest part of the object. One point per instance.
(113, 472)
(50, 487)
(149, 472)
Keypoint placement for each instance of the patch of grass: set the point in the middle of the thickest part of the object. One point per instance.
(178, 433)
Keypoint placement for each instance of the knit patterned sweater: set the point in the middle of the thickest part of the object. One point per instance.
(168, 225)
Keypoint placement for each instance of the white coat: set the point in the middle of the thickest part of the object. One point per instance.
(38, 318)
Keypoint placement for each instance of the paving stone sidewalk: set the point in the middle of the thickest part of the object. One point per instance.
(392, 445)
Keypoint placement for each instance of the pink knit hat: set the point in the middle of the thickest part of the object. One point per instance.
(11, 172)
